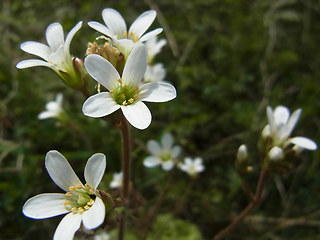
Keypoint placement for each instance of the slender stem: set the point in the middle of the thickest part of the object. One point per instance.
(255, 201)
(126, 170)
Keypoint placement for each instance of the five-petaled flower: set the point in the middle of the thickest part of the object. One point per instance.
(55, 55)
(155, 73)
(54, 109)
(116, 29)
(81, 202)
(164, 154)
(126, 92)
(280, 126)
(192, 167)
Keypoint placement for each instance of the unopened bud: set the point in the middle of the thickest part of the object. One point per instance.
(242, 154)
(266, 132)
(276, 154)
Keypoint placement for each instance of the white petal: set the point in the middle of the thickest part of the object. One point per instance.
(114, 22)
(124, 46)
(281, 115)
(94, 169)
(136, 65)
(102, 71)
(167, 166)
(45, 206)
(157, 92)
(137, 114)
(46, 114)
(100, 28)
(55, 36)
(304, 143)
(32, 63)
(271, 119)
(94, 217)
(70, 35)
(36, 48)
(52, 106)
(167, 141)
(59, 99)
(151, 34)
(60, 170)
(99, 105)
(175, 151)
(292, 122)
(151, 161)
(68, 226)
(142, 23)
(154, 147)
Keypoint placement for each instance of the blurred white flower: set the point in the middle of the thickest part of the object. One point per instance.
(276, 154)
(192, 167)
(101, 236)
(81, 202)
(53, 109)
(126, 92)
(163, 154)
(155, 73)
(280, 127)
(56, 55)
(116, 180)
(242, 154)
(154, 47)
(116, 29)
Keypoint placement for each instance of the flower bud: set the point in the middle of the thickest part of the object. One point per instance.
(242, 154)
(276, 154)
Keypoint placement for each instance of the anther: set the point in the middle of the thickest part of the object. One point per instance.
(131, 34)
(66, 203)
(86, 207)
(74, 209)
(68, 194)
(112, 91)
(130, 100)
(120, 80)
(87, 185)
(123, 96)
(80, 209)
(91, 191)
(79, 186)
(125, 33)
(136, 38)
(72, 188)
(124, 103)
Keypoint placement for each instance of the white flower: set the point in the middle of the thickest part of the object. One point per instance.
(280, 127)
(242, 154)
(81, 202)
(116, 180)
(164, 154)
(154, 47)
(155, 73)
(56, 55)
(276, 154)
(126, 92)
(116, 29)
(53, 109)
(101, 236)
(192, 167)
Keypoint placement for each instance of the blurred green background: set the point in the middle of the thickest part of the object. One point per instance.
(228, 60)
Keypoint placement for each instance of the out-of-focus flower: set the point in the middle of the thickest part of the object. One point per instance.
(56, 55)
(116, 29)
(54, 109)
(116, 180)
(154, 47)
(81, 202)
(242, 154)
(155, 73)
(127, 92)
(192, 167)
(163, 154)
(280, 126)
(101, 236)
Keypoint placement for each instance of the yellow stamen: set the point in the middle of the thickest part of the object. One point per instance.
(91, 202)
(87, 185)
(136, 38)
(131, 34)
(74, 209)
(102, 37)
(51, 62)
(124, 103)
(66, 203)
(125, 33)
(111, 91)
(72, 188)
(91, 191)
(123, 96)
(79, 186)
(130, 100)
(80, 209)
(86, 207)
(120, 80)
(68, 194)
(99, 87)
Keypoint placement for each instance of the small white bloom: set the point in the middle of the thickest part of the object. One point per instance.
(281, 125)
(242, 154)
(101, 236)
(53, 109)
(154, 73)
(192, 167)
(276, 154)
(154, 47)
(126, 92)
(116, 180)
(164, 154)
(116, 29)
(56, 55)
(81, 202)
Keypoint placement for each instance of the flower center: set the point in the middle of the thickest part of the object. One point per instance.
(125, 94)
(165, 156)
(79, 198)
